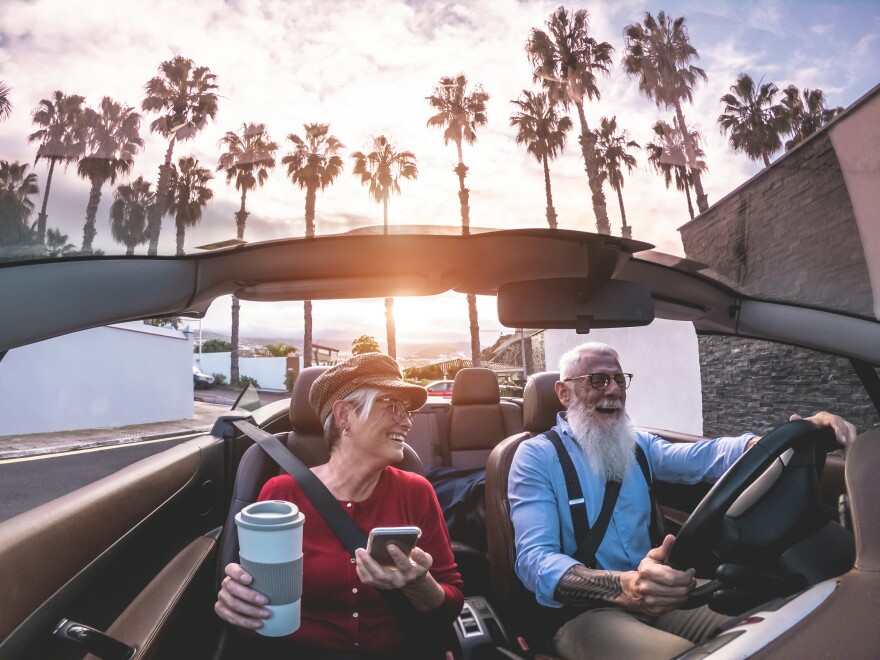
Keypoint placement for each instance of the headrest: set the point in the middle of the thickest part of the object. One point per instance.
(540, 403)
(302, 416)
(475, 385)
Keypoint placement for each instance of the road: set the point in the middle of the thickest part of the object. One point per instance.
(28, 482)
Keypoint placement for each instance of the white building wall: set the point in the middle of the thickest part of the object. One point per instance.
(128, 373)
(665, 362)
(268, 371)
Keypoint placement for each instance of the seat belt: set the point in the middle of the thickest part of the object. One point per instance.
(346, 530)
(588, 540)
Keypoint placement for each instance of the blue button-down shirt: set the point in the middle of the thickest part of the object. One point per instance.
(541, 516)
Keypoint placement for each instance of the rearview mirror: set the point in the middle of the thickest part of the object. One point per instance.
(574, 303)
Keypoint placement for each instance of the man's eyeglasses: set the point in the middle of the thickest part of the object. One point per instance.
(397, 408)
(601, 381)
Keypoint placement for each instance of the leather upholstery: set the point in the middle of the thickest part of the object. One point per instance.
(540, 405)
(478, 419)
(305, 441)
(845, 624)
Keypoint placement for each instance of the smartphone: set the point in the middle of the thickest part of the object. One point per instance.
(404, 538)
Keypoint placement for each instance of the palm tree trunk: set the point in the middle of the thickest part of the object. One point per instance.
(240, 220)
(311, 195)
(181, 233)
(687, 192)
(307, 333)
(551, 212)
(588, 148)
(475, 330)
(89, 230)
(766, 159)
(463, 194)
(157, 210)
(390, 330)
(241, 216)
(233, 353)
(41, 216)
(702, 198)
(625, 230)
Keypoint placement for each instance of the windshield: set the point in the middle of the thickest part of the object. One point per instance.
(173, 130)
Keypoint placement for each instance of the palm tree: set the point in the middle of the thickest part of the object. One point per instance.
(249, 156)
(61, 139)
(112, 139)
(16, 189)
(5, 103)
(189, 195)
(659, 52)
(805, 115)
(128, 213)
(611, 148)
(57, 245)
(183, 95)
(565, 60)
(314, 164)
(755, 126)
(668, 157)
(459, 113)
(382, 169)
(542, 131)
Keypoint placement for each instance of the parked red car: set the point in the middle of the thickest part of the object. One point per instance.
(440, 388)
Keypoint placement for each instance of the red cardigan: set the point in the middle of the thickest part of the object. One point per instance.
(338, 612)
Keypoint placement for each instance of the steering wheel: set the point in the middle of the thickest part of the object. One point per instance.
(767, 501)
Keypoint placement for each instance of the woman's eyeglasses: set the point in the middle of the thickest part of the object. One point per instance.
(397, 408)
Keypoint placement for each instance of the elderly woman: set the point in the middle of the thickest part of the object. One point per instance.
(364, 405)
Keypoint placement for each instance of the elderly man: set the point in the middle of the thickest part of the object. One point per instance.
(632, 596)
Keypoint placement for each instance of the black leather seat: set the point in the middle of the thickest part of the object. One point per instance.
(305, 440)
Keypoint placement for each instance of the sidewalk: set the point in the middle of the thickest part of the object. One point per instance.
(204, 415)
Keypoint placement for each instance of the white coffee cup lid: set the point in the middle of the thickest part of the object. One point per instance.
(270, 514)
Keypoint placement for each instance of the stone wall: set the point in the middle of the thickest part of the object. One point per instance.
(751, 385)
(788, 233)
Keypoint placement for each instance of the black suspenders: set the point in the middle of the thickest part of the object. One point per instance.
(588, 540)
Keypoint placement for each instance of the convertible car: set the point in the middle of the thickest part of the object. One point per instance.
(784, 302)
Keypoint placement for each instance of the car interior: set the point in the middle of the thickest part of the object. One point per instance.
(128, 567)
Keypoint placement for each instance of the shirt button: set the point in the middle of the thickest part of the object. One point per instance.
(354, 590)
(353, 560)
(348, 505)
(355, 615)
(357, 644)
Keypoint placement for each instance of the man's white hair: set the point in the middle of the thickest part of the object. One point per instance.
(570, 361)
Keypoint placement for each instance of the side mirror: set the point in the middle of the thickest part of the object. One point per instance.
(574, 303)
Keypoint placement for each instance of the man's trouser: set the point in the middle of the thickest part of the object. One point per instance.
(615, 633)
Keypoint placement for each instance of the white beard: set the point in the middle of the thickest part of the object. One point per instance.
(609, 445)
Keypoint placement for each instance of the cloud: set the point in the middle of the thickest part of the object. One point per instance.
(365, 67)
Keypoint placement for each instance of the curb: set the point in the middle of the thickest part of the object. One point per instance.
(93, 444)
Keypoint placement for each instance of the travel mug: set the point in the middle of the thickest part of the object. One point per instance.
(270, 548)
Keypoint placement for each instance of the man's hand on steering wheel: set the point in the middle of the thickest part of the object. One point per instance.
(656, 588)
(843, 430)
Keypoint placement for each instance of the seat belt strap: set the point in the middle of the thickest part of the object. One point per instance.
(580, 521)
(656, 526)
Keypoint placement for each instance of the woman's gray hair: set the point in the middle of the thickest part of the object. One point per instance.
(363, 400)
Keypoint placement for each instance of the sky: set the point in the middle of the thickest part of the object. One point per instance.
(365, 67)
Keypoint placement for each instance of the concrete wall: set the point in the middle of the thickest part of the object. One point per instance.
(97, 378)
(664, 360)
(269, 372)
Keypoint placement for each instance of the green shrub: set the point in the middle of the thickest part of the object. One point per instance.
(219, 379)
(289, 378)
(244, 381)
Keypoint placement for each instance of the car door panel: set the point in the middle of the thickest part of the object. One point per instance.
(88, 555)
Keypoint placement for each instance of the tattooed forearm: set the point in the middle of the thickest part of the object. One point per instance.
(585, 587)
